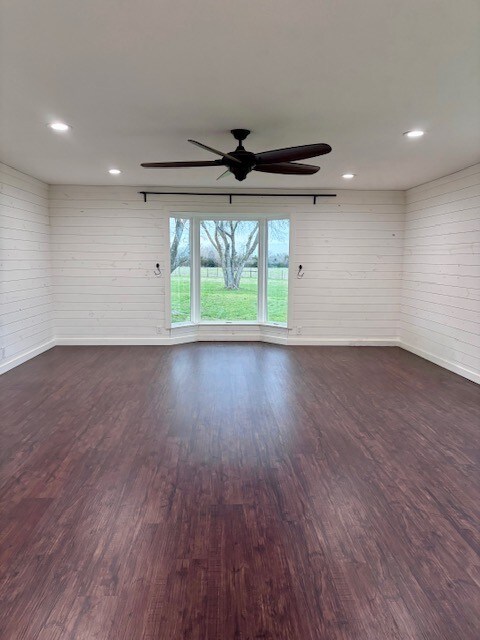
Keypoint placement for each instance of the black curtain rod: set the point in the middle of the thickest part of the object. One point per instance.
(242, 195)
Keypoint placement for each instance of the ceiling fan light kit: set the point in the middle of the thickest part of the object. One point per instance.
(241, 162)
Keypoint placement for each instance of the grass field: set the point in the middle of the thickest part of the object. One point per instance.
(218, 303)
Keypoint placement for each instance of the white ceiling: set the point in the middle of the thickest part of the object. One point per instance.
(136, 78)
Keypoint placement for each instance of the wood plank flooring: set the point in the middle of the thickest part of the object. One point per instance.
(238, 491)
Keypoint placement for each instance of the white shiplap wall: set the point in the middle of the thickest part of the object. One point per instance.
(351, 251)
(440, 311)
(26, 313)
(105, 242)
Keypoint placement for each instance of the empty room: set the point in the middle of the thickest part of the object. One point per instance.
(239, 320)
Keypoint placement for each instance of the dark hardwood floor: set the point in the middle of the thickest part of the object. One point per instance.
(238, 491)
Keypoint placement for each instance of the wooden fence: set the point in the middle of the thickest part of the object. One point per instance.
(274, 273)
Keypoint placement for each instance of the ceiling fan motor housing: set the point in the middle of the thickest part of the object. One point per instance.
(248, 161)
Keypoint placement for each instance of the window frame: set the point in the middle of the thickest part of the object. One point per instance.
(195, 269)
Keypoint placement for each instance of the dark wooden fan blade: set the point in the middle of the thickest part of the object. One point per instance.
(288, 168)
(292, 153)
(172, 165)
(218, 153)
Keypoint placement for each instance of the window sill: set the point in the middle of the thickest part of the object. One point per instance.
(233, 323)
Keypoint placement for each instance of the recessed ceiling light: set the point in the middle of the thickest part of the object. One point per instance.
(415, 133)
(348, 176)
(59, 126)
(114, 172)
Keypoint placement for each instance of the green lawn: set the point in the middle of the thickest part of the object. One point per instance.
(218, 303)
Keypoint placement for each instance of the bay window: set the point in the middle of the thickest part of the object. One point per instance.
(229, 270)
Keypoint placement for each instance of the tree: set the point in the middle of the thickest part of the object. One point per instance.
(178, 254)
(235, 242)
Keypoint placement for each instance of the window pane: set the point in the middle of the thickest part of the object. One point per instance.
(277, 270)
(180, 269)
(229, 270)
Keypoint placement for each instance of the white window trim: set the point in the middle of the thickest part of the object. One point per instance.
(195, 273)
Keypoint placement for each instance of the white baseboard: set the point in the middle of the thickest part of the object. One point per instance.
(27, 355)
(343, 342)
(256, 336)
(113, 341)
(446, 364)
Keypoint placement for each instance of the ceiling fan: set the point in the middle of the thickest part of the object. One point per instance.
(240, 162)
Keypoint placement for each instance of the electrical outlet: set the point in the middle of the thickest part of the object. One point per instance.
(298, 331)
(160, 331)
